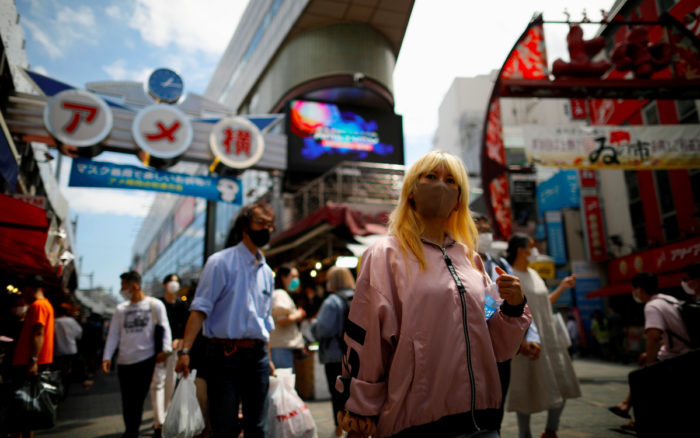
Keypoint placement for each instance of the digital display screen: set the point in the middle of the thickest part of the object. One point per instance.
(321, 135)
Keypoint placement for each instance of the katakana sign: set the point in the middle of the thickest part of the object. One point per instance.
(236, 142)
(78, 118)
(89, 173)
(162, 130)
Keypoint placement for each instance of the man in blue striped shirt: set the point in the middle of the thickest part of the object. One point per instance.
(233, 303)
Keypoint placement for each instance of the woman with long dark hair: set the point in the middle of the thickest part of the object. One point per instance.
(546, 382)
(286, 337)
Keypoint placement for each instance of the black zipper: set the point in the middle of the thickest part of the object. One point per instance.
(462, 291)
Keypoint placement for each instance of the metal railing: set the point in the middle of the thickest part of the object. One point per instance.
(350, 183)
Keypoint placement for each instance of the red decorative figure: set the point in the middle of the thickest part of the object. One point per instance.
(581, 51)
(638, 55)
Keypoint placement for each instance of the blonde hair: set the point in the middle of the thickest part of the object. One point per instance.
(406, 224)
(340, 278)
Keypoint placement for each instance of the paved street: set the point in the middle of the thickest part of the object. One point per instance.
(96, 413)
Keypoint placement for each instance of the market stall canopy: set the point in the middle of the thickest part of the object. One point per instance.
(23, 232)
(666, 281)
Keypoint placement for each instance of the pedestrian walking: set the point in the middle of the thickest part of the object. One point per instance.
(35, 346)
(133, 330)
(67, 332)
(286, 338)
(163, 382)
(233, 303)
(691, 281)
(328, 329)
(421, 357)
(544, 383)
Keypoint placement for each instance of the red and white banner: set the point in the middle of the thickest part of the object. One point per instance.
(614, 147)
(595, 232)
(667, 258)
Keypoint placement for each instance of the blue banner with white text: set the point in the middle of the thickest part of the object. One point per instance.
(89, 173)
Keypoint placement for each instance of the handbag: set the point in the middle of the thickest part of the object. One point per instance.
(158, 331)
(35, 402)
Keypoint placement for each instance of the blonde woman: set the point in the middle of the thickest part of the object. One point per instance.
(328, 329)
(421, 356)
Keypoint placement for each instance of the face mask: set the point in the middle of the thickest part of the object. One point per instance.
(259, 237)
(172, 286)
(636, 298)
(686, 288)
(485, 241)
(435, 200)
(294, 284)
(125, 294)
(534, 253)
(20, 311)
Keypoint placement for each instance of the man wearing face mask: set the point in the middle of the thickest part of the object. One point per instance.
(233, 303)
(163, 383)
(133, 329)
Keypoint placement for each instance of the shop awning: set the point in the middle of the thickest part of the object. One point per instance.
(322, 221)
(666, 281)
(23, 232)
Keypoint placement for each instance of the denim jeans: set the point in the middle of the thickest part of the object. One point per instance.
(282, 357)
(242, 377)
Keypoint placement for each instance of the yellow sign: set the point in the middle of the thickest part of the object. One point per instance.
(544, 269)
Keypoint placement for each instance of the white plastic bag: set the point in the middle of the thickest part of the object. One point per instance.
(288, 415)
(184, 418)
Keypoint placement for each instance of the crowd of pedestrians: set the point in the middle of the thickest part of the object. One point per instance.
(437, 334)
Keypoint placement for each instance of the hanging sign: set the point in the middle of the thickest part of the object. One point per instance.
(236, 142)
(162, 130)
(78, 118)
(614, 147)
(89, 173)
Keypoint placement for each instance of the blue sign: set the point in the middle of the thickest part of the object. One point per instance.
(559, 191)
(89, 173)
(556, 245)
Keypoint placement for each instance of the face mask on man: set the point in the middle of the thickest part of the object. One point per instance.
(259, 237)
(172, 286)
(635, 297)
(126, 294)
(485, 241)
(534, 253)
(686, 288)
(435, 199)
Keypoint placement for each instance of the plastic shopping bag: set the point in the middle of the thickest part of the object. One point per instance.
(288, 415)
(34, 403)
(184, 418)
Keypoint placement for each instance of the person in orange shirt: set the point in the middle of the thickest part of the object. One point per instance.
(34, 351)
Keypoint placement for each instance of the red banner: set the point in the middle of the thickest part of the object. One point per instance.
(595, 231)
(528, 60)
(578, 109)
(658, 260)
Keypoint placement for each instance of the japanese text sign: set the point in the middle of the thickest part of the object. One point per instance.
(236, 142)
(162, 130)
(78, 118)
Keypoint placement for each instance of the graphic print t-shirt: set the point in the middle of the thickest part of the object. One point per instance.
(132, 330)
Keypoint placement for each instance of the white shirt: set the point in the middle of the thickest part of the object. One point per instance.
(132, 330)
(66, 333)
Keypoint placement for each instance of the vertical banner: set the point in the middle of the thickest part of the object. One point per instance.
(592, 217)
(556, 243)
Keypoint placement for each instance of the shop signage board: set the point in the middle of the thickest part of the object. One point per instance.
(162, 131)
(89, 173)
(559, 191)
(667, 258)
(556, 242)
(236, 142)
(614, 147)
(78, 118)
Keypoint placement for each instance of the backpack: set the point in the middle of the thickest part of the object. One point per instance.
(346, 312)
(690, 314)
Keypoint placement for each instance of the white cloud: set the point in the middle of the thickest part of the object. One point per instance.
(114, 12)
(39, 69)
(119, 71)
(187, 24)
(109, 201)
(52, 49)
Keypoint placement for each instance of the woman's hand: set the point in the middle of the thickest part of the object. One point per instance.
(355, 423)
(509, 288)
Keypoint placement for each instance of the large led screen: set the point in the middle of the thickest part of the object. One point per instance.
(321, 135)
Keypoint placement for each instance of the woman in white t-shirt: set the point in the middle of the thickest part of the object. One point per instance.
(286, 337)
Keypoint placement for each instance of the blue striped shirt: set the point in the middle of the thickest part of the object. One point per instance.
(235, 293)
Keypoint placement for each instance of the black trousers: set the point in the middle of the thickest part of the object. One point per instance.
(333, 370)
(134, 382)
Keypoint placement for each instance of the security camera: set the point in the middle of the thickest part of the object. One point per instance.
(358, 77)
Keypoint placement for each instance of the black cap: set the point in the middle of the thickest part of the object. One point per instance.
(692, 270)
(131, 277)
(34, 281)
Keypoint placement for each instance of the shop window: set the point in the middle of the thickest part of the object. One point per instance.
(636, 209)
(667, 208)
(687, 111)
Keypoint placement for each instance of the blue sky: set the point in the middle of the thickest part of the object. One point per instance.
(81, 41)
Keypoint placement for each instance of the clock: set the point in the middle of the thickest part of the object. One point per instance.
(165, 86)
